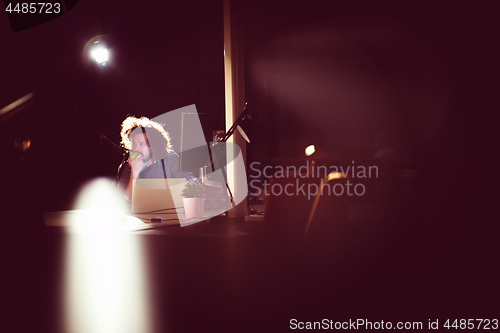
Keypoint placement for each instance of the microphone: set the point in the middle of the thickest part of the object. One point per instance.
(126, 155)
(111, 143)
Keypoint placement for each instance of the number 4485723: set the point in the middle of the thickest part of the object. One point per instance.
(462, 324)
(39, 7)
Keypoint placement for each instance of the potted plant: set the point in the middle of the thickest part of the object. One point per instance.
(193, 199)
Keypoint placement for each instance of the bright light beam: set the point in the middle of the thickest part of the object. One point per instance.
(106, 289)
(100, 54)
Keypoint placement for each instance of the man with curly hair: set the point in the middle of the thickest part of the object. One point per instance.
(151, 152)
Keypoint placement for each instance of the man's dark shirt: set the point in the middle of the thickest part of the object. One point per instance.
(166, 168)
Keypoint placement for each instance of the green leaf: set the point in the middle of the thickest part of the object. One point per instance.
(193, 190)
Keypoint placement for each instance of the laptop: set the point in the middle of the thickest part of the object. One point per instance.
(158, 200)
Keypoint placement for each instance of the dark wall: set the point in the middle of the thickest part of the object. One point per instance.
(351, 78)
(164, 57)
(348, 77)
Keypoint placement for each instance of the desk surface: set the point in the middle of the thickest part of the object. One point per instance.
(246, 277)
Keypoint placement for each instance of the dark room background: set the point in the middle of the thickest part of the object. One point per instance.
(350, 78)
(354, 78)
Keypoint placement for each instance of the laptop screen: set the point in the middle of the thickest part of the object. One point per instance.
(158, 198)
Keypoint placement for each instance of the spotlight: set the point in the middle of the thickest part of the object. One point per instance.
(98, 51)
(310, 150)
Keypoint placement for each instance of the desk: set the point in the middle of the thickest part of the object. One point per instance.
(240, 278)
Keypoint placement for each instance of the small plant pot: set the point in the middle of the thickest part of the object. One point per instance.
(193, 207)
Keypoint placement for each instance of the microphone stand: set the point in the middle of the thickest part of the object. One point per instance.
(121, 166)
(122, 151)
(112, 144)
(244, 115)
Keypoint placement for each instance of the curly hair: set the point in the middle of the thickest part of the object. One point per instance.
(158, 139)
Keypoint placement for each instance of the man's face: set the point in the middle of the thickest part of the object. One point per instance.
(140, 145)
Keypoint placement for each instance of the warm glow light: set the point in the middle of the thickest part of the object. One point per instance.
(310, 150)
(101, 206)
(23, 145)
(105, 278)
(106, 290)
(335, 175)
(100, 194)
(17, 103)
